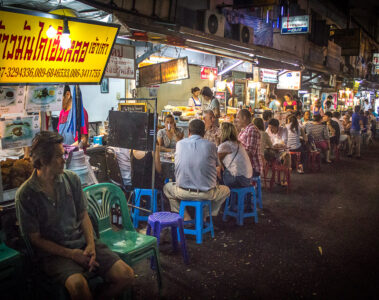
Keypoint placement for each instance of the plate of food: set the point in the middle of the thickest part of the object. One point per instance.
(42, 95)
(7, 96)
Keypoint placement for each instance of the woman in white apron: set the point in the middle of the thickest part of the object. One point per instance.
(195, 101)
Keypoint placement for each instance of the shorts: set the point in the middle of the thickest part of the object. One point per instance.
(60, 268)
(323, 145)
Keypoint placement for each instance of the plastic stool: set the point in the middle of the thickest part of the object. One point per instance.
(138, 193)
(296, 156)
(198, 222)
(240, 214)
(258, 190)
(159, 220)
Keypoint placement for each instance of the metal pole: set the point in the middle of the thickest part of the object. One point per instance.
(154, 149)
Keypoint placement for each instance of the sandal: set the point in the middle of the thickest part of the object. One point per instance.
(300, 169)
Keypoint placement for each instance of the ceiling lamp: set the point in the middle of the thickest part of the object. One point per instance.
(51, 32)
(65, 39)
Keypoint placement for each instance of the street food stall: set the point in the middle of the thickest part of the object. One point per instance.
(32, 80)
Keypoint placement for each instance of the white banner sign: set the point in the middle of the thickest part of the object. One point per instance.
(289, 81)
(121, 64)
(267, 75)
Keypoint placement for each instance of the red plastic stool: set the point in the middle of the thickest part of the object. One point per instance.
(277, 169)
(314, 161)
(295, 157)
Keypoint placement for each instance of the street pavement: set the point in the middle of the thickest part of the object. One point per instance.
(320, 241)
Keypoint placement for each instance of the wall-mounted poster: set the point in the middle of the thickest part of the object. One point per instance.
(44, 98)
(12, 99)
(18, 132)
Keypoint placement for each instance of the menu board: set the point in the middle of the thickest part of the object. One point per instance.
(289, 81)
(173, 70)
(16, 133)
(12, 99)
(121, 64)
(150, 75)
(176, 69)
(136, 107)
(31, 55)
(44, 98)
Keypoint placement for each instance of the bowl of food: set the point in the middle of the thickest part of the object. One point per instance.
(177, 113)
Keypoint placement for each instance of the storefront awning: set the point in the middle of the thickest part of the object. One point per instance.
(179, 36)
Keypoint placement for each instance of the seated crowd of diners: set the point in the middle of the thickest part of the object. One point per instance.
(210, 162)
(215, 158)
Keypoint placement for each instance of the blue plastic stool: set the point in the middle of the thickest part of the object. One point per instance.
(198, 222)
(159, 220)
(240, 213)
(138, 193)
(258, 190)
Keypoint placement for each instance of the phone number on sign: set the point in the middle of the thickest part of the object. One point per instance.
(11, 72)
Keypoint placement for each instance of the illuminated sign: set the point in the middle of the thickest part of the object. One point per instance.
(208, 73)
(28, 55)
(289, 81)
(294, 25)
(173, 70)
(267, 75)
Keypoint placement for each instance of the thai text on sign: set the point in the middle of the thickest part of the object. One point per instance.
(28, 55)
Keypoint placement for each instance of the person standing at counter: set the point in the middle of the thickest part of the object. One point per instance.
(195, 101)
(66, 124)
(274, 104)
(170, 135)
(289, 104)
(214, 104)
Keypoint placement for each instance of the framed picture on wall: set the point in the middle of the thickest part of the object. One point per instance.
(104, 86)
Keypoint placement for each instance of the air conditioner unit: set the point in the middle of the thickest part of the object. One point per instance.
(242, 33)
(211, 22)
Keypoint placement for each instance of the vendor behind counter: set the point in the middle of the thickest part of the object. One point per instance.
(67, 120)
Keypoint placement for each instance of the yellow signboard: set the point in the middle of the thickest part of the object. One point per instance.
(28, 55)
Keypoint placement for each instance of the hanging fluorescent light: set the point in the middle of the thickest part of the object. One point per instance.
(65, 39)
(51, 32)
(231, 67)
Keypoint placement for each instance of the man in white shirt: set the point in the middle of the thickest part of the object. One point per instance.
(195, 172)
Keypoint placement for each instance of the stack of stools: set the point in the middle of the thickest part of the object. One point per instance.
(11, 282)
(159, 220)
(201, 227)
(235, 204)
(153, 207)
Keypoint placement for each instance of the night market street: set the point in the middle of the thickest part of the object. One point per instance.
(320, 241)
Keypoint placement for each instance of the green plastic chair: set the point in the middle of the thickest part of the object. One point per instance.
(11, 275)
(131, 246)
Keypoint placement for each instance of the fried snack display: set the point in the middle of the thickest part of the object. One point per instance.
(14, 172)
